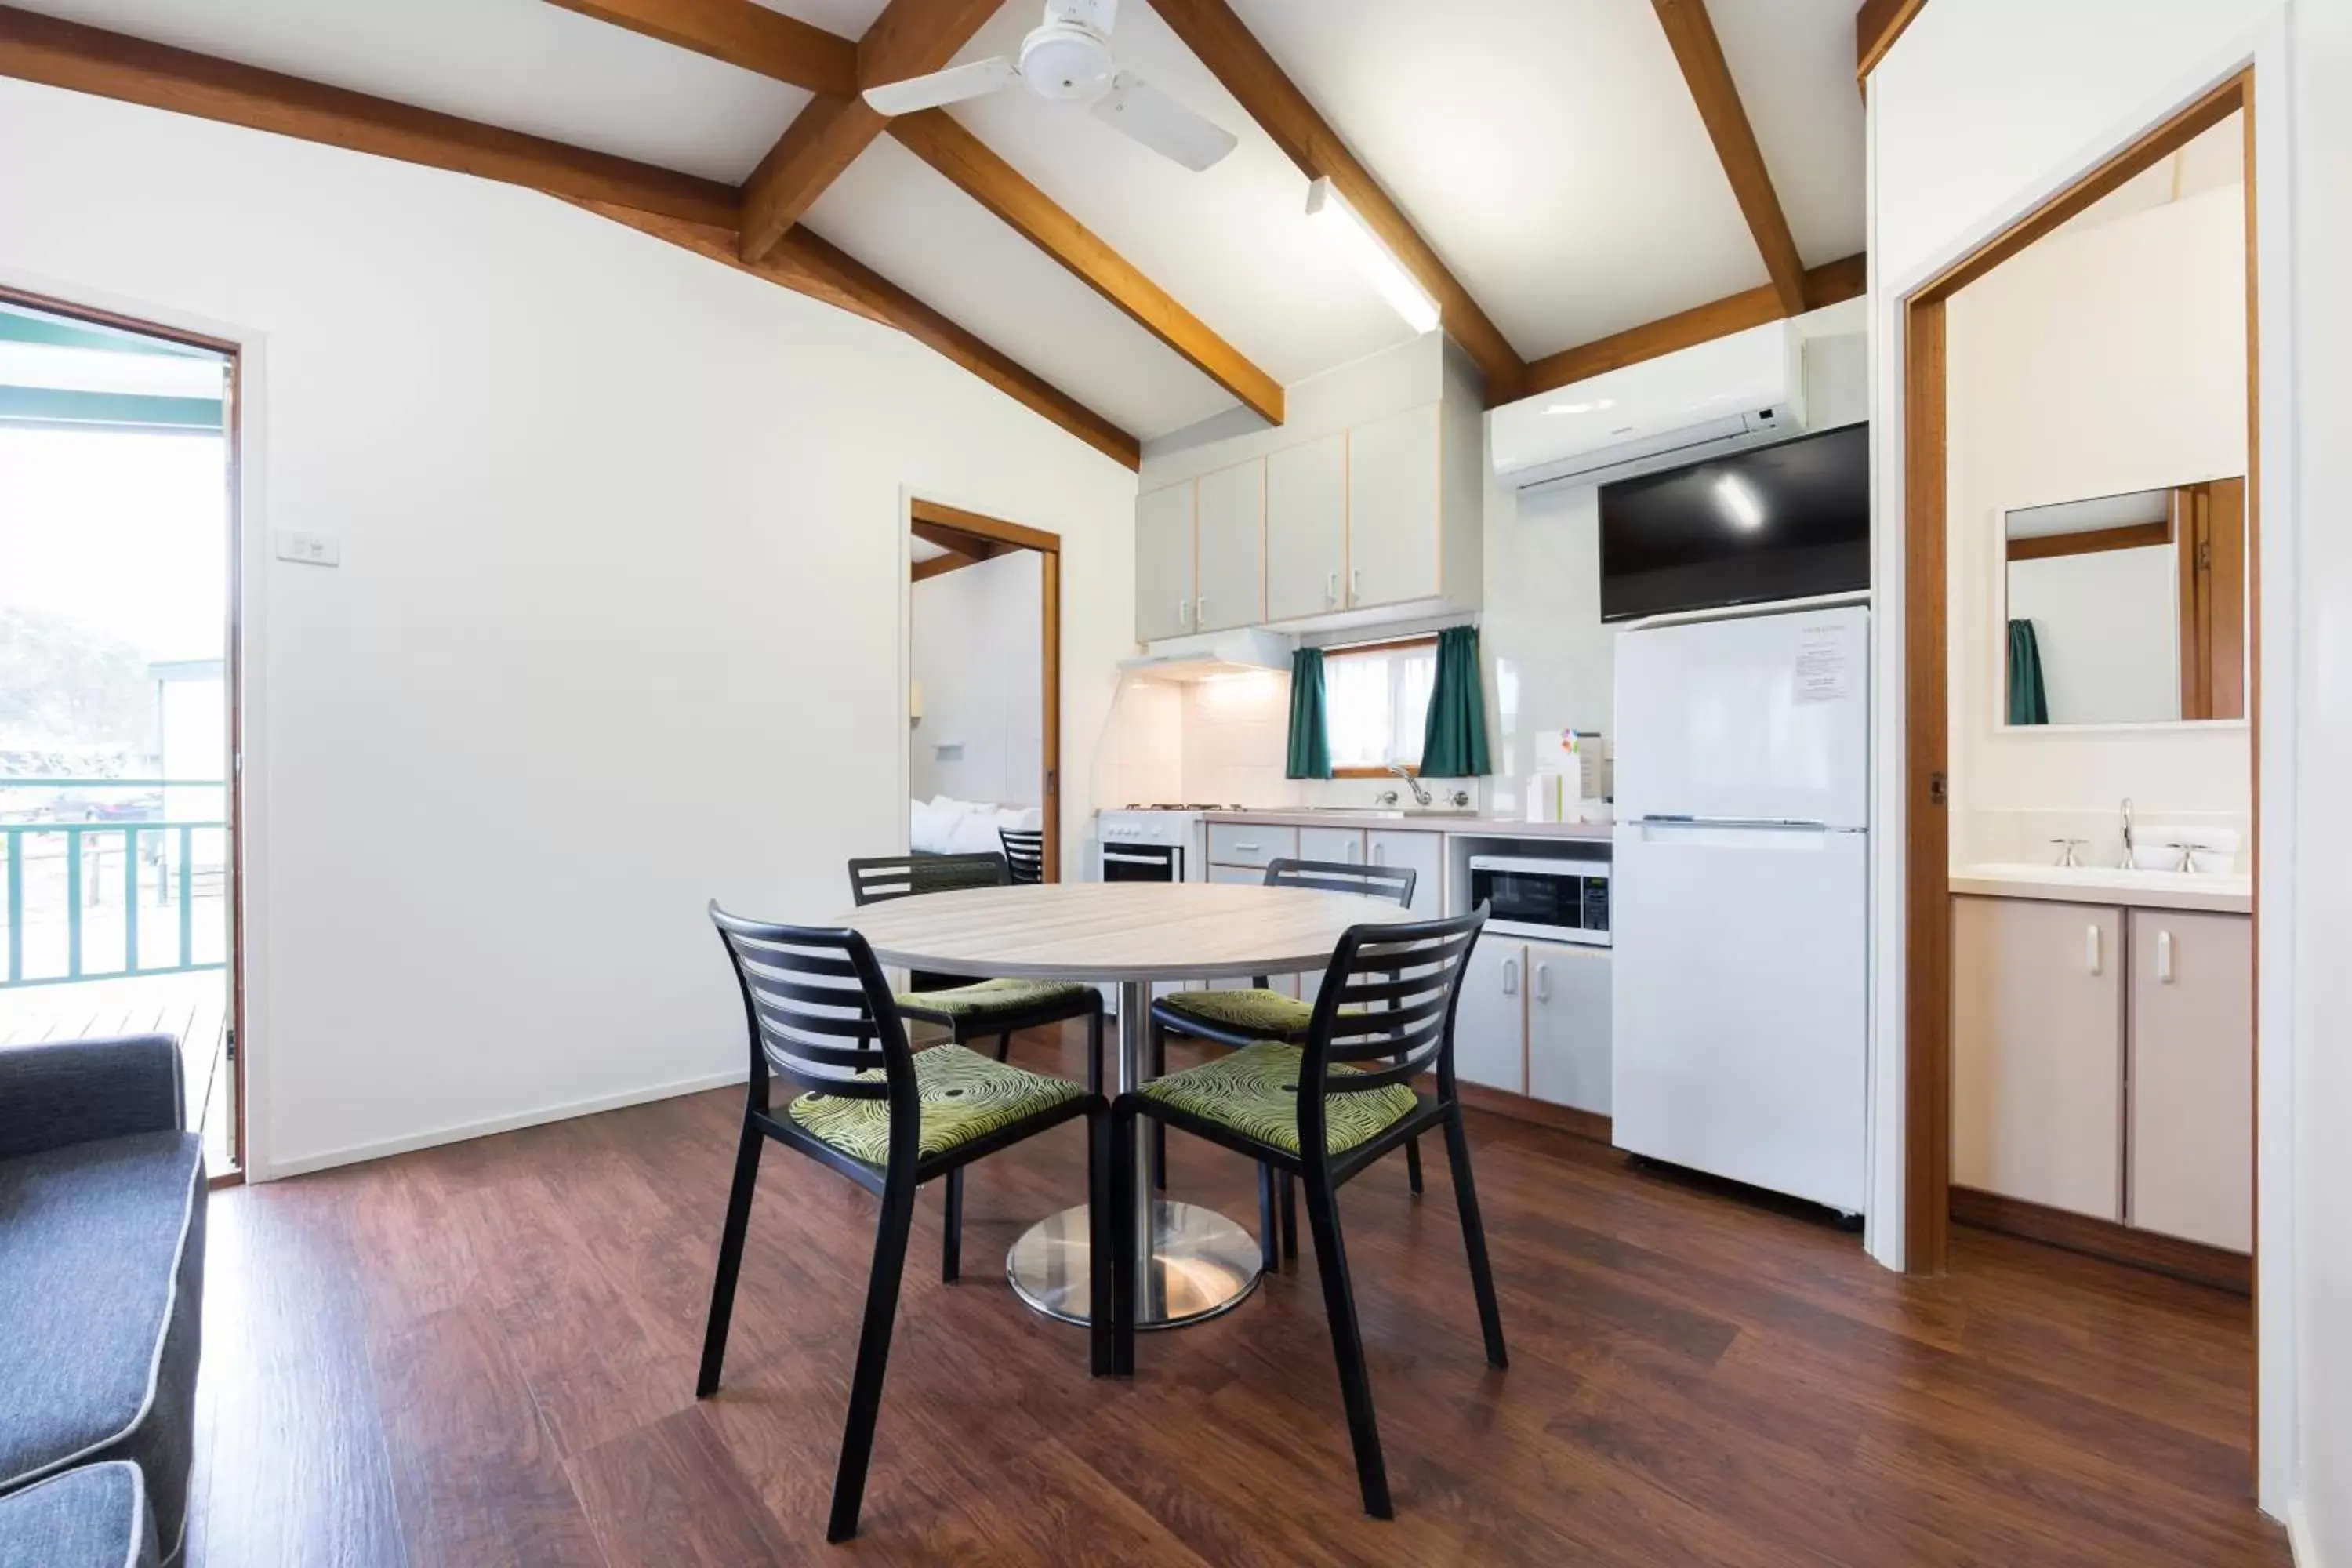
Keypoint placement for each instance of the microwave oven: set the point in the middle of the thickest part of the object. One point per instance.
(1550, 900)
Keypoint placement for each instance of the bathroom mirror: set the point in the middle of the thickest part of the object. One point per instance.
(2126, 609)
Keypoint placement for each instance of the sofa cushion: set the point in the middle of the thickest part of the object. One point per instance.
(93, 1516)
(102, 1268)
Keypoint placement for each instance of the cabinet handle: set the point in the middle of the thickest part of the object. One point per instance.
(1543, 982)
(1331, 589)
(1239, 845)
(2091, 948)
(2164, 957)
(1511, 977)
(1355, 585)
(1183, 612)
(1200, 612)
(1380, 854)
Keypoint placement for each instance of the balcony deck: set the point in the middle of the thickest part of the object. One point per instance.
(192, 1007)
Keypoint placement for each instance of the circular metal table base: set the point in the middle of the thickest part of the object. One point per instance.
(1202, 1264)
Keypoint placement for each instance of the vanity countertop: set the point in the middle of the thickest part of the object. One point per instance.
(2217, 892)
(1374, 818)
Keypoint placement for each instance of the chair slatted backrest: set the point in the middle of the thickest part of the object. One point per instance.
(1024, 852)
(1394, 882)
(1386, 1010)
(879, 877)
(818, 1010)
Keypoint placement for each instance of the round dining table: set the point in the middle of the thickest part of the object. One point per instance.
(1134, 935)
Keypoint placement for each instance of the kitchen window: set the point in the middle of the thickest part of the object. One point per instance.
(1376, 700)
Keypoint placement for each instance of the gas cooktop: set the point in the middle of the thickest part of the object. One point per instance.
(1187, 806)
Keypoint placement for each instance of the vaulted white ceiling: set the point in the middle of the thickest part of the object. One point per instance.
(1548, 149)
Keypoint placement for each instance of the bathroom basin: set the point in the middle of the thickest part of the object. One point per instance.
(2111, 879)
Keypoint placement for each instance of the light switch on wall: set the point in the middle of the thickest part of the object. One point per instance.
(310, 549)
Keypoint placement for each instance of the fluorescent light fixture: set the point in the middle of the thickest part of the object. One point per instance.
(1595, 407)
(1354, 239)
(1740, 500)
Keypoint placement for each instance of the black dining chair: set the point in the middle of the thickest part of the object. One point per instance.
(820, 1015)
(1325, 1109)
(1024, 852)
(966, 1008)
(1244, 1017)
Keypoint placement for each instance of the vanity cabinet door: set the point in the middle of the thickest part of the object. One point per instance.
(1163, 562)
(2192, 1077)
(1490, 1022)
(2037, 1052)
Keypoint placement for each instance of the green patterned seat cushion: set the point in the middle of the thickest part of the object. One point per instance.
(1263, 1014)
(985, 999)
(965, 1095)
(1255, 1091)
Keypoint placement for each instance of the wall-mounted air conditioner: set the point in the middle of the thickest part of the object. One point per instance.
(1715, 396)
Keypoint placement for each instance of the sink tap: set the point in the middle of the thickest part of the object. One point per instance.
(1386, 797)
(2066, 847)
(2128, 845)
(1420, 796)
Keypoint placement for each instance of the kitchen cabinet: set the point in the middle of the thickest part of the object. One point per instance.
(1305, 527)
(1567, 1024)
(2037, 1052)
(1420, 852)
(1229, 582)
(1251, 844)
(1164, 580)
(1490, 1021)
(2192, 1077)
(1395, 509)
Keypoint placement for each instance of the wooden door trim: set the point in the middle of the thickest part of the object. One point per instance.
(939, 518)
(2089, 542)
(1928, 980)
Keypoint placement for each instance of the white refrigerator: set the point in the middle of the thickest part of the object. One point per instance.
(1740, 893)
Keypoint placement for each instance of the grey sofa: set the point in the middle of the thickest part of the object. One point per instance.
(101, 1282)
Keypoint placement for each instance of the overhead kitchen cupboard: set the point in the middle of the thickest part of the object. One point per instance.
(1200, 553)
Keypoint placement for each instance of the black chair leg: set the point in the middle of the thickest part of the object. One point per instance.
(1290, 1214)
(1094, 1051)
(952, 1227)
(873, 1354)
(1102, 1242)
(1474, 1236)
(731, 1257)
(1005, 1046)
(1269, 1224)
(1413, 1165)
(1159, 1128)
(1347, 1344)
(1124, 1241)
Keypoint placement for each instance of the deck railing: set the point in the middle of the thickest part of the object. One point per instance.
(57, 873)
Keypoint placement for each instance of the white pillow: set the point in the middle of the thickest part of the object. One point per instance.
(922, 827)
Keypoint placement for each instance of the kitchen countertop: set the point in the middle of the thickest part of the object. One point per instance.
(2215, 892)
(1421, 822)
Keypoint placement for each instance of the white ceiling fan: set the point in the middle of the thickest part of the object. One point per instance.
(1067, 57)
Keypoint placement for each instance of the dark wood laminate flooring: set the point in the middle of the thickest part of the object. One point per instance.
(484, 1354)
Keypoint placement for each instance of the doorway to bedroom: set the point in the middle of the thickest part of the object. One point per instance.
(983, 688)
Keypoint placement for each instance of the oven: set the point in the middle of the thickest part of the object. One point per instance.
(1142, 862)
(1548, 900)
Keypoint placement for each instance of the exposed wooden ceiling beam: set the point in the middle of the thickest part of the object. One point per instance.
(1700, 54)
(1210, 30)
(115, 65)
(910, 37)
(741, 32)
(939, 566)
(807, 265)
(1825, 285)
(987, 179)
(956, 541)
(1876, 27)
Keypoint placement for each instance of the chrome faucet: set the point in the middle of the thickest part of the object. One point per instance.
(2066, 847)
(2128, 845)
(1420, 796)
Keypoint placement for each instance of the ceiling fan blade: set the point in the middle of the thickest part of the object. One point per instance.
(1162, 125)
(1099, 15)
(953, 85)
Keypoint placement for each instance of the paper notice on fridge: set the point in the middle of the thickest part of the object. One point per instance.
(1824, 664)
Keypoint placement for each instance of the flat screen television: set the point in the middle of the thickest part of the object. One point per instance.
(1785, 521)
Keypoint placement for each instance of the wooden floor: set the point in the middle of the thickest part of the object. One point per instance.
(190, 1006)
(485, 1354)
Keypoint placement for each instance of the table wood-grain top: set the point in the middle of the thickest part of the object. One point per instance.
(1117, 930)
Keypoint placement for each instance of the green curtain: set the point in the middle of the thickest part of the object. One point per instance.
(2028, 701)
(1453, 746)
(1310, 732)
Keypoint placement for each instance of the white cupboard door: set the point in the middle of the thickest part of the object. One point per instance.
(1231, 588)
(1339, 846)
(1394, 509)
(1307, 529)
(1490, 1024)
(2037, 1052)
(1568, 1026)
(1163, 562)
(2192, 1077)
(1422, 854)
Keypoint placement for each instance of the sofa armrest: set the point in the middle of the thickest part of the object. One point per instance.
(75, 1091)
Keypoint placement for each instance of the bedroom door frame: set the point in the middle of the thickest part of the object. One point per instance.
(940, 517)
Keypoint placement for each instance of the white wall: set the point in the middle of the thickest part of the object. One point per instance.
(617, 624)
(977, 635)
(2109, 358)
(1978, 112)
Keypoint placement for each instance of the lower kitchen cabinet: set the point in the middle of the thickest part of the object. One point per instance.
(1424, 854)
(1490, 1025)
(1568, 1026)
